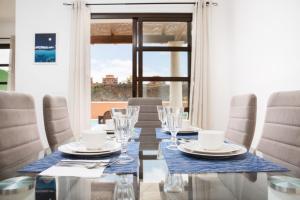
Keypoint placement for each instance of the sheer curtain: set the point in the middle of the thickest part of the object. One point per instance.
(79, 71)
(11, 71)
(200, 64)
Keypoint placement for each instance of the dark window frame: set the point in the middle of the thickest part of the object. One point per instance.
(138, 48)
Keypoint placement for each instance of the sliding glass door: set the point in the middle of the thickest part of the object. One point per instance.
(139, 55)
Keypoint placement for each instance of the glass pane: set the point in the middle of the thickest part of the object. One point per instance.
(4, 56)
(165, 34)
(3, 74)
(162, 89)
(167, 64)
(111, 65)
(3, 77)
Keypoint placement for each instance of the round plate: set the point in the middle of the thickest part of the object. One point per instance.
(110, 148)
(208, 155)
(195, 146)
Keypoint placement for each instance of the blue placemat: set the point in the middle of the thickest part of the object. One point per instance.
(181, 163)
(163, 135)
(130, 168)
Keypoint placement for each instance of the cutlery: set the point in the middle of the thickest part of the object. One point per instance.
(85, 161)
(89, 164)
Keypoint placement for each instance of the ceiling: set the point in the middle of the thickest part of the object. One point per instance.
(120, 31)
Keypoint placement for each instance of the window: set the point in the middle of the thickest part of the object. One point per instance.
(139, 55)
(4, 63)
(163, 54)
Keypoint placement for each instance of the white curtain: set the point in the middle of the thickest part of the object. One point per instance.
(79, 71)
(200, 64)
(11, 71)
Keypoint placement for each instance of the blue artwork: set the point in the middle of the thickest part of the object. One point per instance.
(45, 48)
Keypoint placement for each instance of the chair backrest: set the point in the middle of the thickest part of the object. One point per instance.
(280, 140)
(56, 120)
(20, 142)
(242, 119)
(106, 115)
(148, 120)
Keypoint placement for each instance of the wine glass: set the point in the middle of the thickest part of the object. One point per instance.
(124, 189)
(173, 183)
(133, 112)
(174, 124)
(122, 131)
(162, 116)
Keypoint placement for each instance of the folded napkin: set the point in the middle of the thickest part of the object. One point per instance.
(73, 171)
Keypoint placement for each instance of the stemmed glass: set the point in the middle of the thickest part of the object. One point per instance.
(133, 112)
(173, 183)
(174, 124)
(162, 116)
(122, 131)
(124, 189)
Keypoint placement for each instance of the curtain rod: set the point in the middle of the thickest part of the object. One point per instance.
(4, 38)
(114, 4)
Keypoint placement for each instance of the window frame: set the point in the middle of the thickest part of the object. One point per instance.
(4, 46)
(138, 47)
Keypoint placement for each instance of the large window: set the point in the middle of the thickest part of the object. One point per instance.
(4, 63)
(163, 53)
(139, 55)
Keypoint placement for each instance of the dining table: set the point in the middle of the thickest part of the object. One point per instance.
(181, 177)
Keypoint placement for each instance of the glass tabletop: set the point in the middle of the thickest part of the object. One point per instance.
(196, 186)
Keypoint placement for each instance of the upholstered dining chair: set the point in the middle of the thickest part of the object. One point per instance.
(56, 120)
(280, 141)
(148, 120)
(242, 119)
(20, 142)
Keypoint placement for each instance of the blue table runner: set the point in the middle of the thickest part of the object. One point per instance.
(160, 135)
(181, 163)
(52, 159)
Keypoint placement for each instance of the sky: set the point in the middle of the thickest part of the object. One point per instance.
(45, 40)
(116, 59)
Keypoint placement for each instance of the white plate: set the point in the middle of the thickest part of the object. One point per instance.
(76, 148)
(195, 146)
(208, 155)
(184, 130)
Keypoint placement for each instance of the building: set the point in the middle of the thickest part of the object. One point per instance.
(110, 80)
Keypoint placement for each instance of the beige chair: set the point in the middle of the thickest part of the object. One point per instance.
(148, 120)
(20, 142)
(242, 119)
(280, 140)
(56, 120)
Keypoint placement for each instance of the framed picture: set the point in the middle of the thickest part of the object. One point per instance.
(45, 48)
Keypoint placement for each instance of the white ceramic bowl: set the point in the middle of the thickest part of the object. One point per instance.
(211, 139)
(93, 139)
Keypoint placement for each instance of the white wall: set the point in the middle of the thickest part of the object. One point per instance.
(41, 16)
(262, 51)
